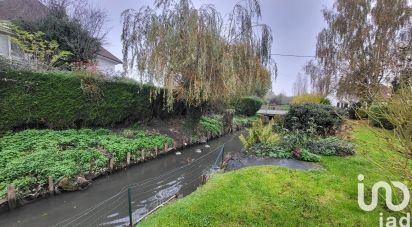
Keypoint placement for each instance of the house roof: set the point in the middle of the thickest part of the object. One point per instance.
(105, 53)
(33, 10)
(24, 9)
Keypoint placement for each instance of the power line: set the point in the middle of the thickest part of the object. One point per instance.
(295, 55)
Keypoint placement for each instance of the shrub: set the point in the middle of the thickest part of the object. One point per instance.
(211, 124)
(305, 155)
(271, 150)
(377, 116)
(310, 98)
(326, 119)
(240, 121)
(293, 139)
(330, 146)
(259, 134)
(248, 105)
(357, 112)
(325, 101)
(64, 100)
(27, 158)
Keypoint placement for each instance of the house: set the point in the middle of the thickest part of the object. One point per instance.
(106, 61)
(32, 10)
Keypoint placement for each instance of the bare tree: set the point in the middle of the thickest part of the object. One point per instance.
(92, 18)
(359, 47)
(300, 86)
(322, 83)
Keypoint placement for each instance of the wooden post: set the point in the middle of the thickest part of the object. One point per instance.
(156, 151)
(111, 163)
(51, 185)
(203, 179)
(128, 158)
(142, 159)
(11, 196)
(179, 195)
(165, 148)
(129, 199)
(223, 156)
(174, 144)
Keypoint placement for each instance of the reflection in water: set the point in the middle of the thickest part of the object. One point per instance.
(144, 206)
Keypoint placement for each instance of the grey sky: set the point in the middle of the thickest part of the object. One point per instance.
(294, 23)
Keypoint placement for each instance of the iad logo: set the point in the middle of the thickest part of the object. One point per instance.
(388, 190)
(390, 221)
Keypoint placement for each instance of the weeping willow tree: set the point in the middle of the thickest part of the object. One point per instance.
(197, 56)
(361, 47)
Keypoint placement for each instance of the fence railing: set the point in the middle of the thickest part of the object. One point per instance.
(274, 107)
(140, 199)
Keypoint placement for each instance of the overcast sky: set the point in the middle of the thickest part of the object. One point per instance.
(295, 25)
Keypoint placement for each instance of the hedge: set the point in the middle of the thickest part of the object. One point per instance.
(311, 98)
(248, 105)
(64, 100)
(324, 118)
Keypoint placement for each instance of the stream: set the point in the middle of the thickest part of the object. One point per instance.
(105, 202)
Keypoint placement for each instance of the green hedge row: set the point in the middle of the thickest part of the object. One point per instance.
(63, 100)
(247, 105)
(323, 119)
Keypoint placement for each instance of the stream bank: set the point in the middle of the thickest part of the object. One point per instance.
(151, 183)
(172, 128)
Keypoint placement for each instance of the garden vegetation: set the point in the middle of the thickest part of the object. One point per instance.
(29, 157)
(248, 105)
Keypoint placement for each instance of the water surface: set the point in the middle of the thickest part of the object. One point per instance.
(105, 202)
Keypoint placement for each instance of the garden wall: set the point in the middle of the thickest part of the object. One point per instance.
(63, 100)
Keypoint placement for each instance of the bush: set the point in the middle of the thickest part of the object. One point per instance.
(357, 112)
(211, 124)
(330, 146)
(325, 101)
(271, 150)
(326, 119)
(304, 155)
(259, 134)
(240, 121)
(64, 100)
(377, 113)
(27, 158)
(248, 105)
(310, 98)
(282, 151)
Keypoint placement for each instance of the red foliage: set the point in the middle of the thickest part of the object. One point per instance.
(296, 152)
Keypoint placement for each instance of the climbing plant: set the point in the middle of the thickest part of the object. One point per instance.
(35, 49)
(197, 55)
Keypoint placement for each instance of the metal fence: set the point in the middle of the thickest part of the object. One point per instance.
(135, 201)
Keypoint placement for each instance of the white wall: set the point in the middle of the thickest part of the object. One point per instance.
(105, 65)
(4, 46)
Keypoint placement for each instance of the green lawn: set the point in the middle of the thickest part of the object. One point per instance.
(275, 196)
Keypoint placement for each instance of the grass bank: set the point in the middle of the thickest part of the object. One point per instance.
(275, 196)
